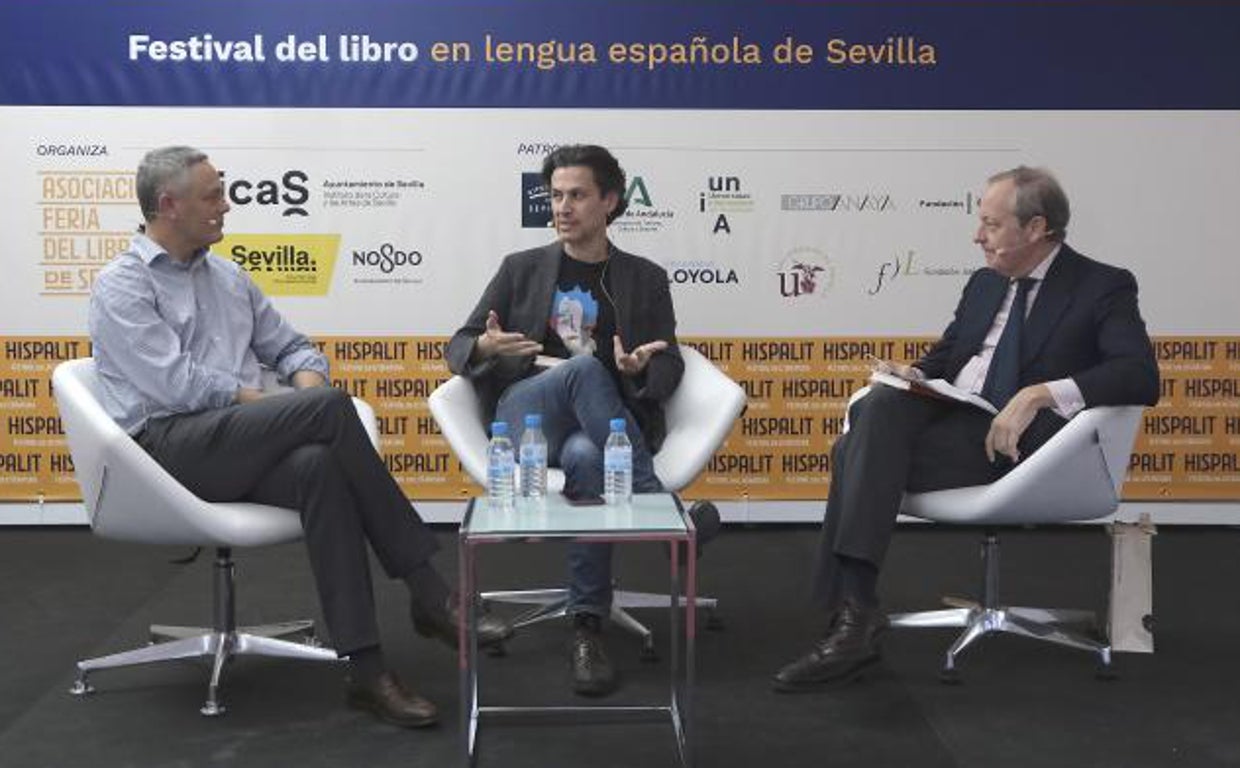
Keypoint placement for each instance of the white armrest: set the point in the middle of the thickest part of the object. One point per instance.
(129, 496)
(458, 412)
(1076, 475)
(700, 415)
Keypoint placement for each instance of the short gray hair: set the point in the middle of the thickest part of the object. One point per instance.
(162, 170)
(1038, 194)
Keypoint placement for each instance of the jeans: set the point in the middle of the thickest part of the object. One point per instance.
(578, 399)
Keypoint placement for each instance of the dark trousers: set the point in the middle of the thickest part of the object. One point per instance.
(899, 442)
(308, 451)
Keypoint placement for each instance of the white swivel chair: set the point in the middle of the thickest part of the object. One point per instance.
(699, 414)
(1076, 475)
(130, 497)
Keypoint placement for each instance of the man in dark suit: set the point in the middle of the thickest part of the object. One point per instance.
(1040, 333)
(606, 316)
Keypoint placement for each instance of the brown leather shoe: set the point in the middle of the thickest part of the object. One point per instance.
(442, 625)
(847, 650)
(388, 700)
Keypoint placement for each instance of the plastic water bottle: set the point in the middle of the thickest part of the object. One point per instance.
(533, 455)
(500, 465)
(618, 465)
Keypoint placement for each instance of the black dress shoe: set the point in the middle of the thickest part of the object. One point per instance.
(387, 699)
(593, 673)
(442, 624)
(847, 650)
(705, 517)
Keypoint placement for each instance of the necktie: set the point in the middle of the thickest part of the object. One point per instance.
(1003, 376)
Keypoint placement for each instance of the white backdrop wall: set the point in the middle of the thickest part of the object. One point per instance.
(401, 185)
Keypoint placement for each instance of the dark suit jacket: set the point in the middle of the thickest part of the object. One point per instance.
(521, 293)
(1085, 324)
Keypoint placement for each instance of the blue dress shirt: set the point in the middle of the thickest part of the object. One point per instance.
(175, 338)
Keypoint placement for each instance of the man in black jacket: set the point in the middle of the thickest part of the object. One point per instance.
(605, 319)
(1040, 333)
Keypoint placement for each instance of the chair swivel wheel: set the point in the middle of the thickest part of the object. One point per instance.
(649, 655)
(950, 676)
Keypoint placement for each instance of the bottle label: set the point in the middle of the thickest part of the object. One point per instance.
(533, 454)
(617, 460)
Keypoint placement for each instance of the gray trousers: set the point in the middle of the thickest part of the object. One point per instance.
(308, 451)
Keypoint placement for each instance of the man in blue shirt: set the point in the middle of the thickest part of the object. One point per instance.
(179, 337)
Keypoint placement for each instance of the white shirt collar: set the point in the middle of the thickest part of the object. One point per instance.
(1039, 272)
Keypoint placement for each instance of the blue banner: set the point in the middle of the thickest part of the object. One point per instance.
(744, 54)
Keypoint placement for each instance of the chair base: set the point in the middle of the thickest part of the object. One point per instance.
(978, 620)
(197, 642)
(553, 603)
(1037, 623)
(221, 642)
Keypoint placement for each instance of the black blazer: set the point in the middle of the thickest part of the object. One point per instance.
(521, 293)
(1085, 324)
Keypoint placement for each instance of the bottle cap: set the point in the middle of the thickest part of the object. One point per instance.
(499, 428)
(617, 425)
(533, 420)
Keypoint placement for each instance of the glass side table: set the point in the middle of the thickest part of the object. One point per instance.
(650, 517)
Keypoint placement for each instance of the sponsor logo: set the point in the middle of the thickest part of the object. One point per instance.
(283, 264)
(966, 203)
(723, 197)
(642, 215)
(805, 271)
(290, 192)
(386, 264)
(701, 273)
(535, 202)
(724, 194)
(905, 265)
(368, 193)
(870, 202)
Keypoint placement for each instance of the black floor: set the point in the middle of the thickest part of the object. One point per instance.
(65, 595)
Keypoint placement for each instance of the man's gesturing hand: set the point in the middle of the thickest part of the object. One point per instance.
(633, 363)
(496, 341)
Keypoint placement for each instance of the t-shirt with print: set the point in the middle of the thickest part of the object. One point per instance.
(582, 318)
